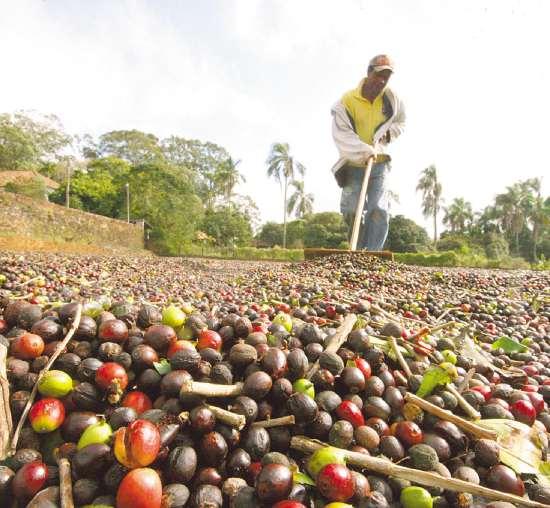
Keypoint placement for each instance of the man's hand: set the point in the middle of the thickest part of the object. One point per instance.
(369, 153)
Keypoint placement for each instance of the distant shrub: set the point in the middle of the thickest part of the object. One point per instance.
(509, 263)
(441, 259)
(541, 264)
(496, 246)
(452, 258)
(454, 242)
(244, 253)
(436, 259)
(405, 235)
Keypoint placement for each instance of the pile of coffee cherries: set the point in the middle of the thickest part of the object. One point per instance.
(195, 402)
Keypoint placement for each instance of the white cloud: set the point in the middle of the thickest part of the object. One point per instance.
(246, 73)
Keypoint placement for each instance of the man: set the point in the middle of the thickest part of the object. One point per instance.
(365, 121)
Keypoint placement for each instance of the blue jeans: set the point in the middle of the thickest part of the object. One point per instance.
(375, 221)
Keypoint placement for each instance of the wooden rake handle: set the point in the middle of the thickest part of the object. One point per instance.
(360, 205)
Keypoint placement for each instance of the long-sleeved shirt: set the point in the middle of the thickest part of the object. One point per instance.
(350, 136)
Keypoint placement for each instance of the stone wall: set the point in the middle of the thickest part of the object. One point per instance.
(27, 217)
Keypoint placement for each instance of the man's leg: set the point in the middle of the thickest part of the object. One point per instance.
(348, 203)
(377, 216)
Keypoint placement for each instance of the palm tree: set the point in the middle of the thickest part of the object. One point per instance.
(227, 176)
(430, 187)
(458, 215)
(300, 203)
(282, 166)
(512, 208)
(538, 214)
(486, 221)
(539, 218)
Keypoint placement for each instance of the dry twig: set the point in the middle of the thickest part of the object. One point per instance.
(463, 403)
(232, 419)
(276, 422)
(336, 340)
(404, 365)
(65, 483)
(211, 389)
(6, 423)
(471, 428)
(388, 468)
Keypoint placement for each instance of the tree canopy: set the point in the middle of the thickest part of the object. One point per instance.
(133, 146)
(164, 198)
(405, 235)
(228, 226)
(458, 215)
(326, 229)
(29, 140)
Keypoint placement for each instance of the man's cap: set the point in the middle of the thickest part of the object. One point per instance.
(381, 63)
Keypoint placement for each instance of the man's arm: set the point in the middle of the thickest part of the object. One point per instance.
(347, 141)
(398, 124)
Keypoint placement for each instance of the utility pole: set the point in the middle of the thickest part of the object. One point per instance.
(68, 187)
(127, 185)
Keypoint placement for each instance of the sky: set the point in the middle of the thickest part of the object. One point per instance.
(247, 73)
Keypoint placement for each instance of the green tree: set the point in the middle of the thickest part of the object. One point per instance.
(62, 171)
(538, 215)
(98, 188)
(540, 221)
(496, 246)
(295, 230)
(227, 176)
(454, 241)
(512, 208)
(485, 222)
(246, 205)
(200, 161)
(117, 168)
(405, 235)
(544, 247)
(133, 146)
(87, 146)
(162, 196)
(430, 187)
(299, 203)
(56, 170)
(282, 166)
(325, 229)
(270, 234)
(27, 142)
(96, 192)
(458, 215)
(317, 235)
(228, 226)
